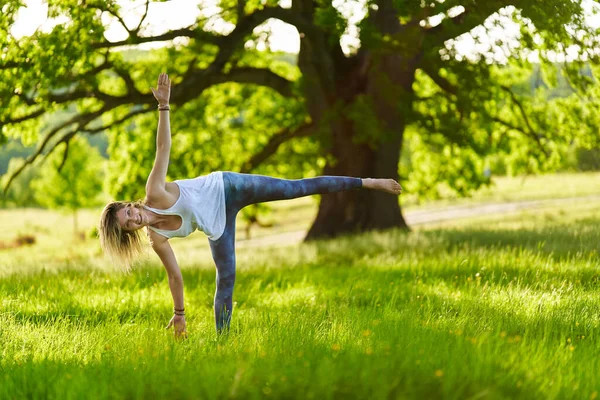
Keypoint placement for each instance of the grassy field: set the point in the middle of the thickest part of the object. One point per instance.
(486, 308)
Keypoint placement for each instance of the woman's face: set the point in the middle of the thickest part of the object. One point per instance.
(131, 218)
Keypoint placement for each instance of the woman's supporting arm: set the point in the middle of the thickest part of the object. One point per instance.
(167, 256)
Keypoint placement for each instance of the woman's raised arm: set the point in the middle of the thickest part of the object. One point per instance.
(156, 184)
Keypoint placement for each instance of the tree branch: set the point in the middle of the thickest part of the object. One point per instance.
(137, 29)
(118, 121)
(432, 9)
(198, 80)
(65, 155)
(246, 24)
(106, 64)
(442, 82)
(12, 64)
(523, 112)
(81, 119)
(241, 4)
(518, 129)
(453, 27)
(473, 16)
(113, 13)
(273, 144)
(201, 79)
(189, 32)
(128, 81)
(78, 94)
(34, 114)
(258, 76)
(227, 43)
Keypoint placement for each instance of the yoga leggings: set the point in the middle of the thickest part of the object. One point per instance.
(242, 190)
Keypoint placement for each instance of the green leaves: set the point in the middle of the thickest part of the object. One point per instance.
(77, 184)
(464, 112)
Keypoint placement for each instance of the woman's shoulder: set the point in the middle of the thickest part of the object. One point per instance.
(163, 199)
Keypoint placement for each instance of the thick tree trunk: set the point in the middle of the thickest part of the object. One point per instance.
(360, 210)
(365, 150)
(360, 103)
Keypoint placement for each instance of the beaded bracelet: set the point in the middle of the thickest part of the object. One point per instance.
(163, 108)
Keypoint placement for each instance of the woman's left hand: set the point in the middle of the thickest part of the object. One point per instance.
(178, 324)
(163, 91)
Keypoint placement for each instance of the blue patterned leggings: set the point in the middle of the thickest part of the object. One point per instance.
(242, 190)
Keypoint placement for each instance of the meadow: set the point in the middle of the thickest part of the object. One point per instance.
(498, 306)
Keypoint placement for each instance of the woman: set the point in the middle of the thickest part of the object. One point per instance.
(208, 203)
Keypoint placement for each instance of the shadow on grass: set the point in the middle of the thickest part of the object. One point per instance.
(561, 240)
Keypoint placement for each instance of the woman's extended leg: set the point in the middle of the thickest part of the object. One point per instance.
(245, 189)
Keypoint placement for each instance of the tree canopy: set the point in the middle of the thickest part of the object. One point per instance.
(326, 110)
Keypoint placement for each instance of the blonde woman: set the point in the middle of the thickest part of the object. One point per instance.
(208, 203)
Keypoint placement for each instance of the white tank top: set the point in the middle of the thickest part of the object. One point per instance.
(201, 205)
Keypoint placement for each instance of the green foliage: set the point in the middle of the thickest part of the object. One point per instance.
(462, 114)
(433, 161)
(330, 19)
(12, 149)
(20, 193)
(588, 159)
(132, 150)
(77, 184)
(530, 125)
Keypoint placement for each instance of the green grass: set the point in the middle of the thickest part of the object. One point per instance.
(487, 308)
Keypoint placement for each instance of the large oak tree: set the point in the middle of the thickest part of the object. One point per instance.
(349, 110)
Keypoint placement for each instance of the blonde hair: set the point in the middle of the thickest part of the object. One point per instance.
(123, 247)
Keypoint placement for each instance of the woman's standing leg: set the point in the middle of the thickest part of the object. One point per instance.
(223, 252)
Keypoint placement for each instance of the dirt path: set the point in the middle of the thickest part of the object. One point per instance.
(422, 217)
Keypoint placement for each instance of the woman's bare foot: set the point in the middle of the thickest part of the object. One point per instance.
(384, 185)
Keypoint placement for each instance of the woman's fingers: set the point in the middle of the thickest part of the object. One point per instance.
(180, 329)
(163, 79)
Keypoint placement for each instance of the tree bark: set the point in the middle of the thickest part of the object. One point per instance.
(376, 157)
(364, 210)
(383, 80)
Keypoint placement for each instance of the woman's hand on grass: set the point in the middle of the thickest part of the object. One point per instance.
(178, 324)
(163, 91)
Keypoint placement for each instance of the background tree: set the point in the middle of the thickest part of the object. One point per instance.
(20, 193)
(343, 113)
(71, 183)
